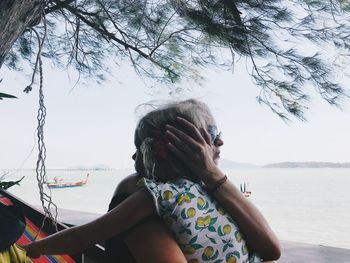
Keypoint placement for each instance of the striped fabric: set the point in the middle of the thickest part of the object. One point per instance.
(28, 236)
(5, 201)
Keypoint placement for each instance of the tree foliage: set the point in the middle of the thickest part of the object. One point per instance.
(4, 185)
(170, 40)
(5, 95)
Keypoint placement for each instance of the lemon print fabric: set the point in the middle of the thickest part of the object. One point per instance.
(203, 229)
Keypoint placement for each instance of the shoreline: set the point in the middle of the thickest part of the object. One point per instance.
(306, 253)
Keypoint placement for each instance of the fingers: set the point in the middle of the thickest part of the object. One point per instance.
(188, 142)
(181, 140)
(206, 136)
(177, 146)
(191, 129)
(179, 154)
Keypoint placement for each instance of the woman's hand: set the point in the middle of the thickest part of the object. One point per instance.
(29, 252)
(194, 148)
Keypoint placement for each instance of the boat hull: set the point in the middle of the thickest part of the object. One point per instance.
(60, 184)
(64, 185)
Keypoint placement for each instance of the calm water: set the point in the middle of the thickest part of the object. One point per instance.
(304, 205)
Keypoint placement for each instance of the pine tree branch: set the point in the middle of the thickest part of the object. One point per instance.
(110, 36)
(231, 5)
(169, 37)
(58, 6)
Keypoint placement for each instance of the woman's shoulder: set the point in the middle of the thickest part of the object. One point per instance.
(128, 185)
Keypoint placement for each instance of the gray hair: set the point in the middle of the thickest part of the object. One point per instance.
(151, 128)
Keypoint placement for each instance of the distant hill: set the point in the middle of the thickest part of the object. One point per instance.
(307, 165)
(228, 164)
(91, 167)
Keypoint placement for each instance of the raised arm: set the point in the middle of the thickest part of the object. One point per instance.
(194, 147)
(251, 222)
(73, 240)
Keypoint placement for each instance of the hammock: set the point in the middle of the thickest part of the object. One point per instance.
(31, 230)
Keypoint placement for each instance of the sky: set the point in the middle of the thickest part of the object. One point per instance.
(92, 124)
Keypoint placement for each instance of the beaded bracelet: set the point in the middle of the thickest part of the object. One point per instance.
(217, 185)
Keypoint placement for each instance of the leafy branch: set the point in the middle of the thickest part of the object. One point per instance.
(7, 185)
(173, 40)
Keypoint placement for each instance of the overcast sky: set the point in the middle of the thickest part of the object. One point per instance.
(93, 124)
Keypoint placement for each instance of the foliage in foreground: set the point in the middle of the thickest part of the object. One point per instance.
(5, 95)
(285, 42)
(6, 185)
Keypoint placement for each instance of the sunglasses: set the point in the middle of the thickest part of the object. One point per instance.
(214, 134)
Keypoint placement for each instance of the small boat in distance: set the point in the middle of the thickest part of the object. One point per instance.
(59, 183)
(245, 189)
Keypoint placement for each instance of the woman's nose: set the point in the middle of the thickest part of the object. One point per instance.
(219, 142)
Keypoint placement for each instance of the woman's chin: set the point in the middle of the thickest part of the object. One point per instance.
(216, 160)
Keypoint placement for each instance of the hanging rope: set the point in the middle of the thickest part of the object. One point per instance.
(45, 198)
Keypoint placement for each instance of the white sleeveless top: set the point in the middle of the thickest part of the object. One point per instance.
(204, 231)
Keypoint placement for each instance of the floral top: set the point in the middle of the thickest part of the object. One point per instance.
(204, 231)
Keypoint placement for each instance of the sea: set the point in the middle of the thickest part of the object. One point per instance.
(306, 205)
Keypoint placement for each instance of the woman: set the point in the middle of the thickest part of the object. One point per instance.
(192, 155)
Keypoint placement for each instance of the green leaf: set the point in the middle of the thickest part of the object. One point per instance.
(209, 211)
(225, 248)
(211, 239)
(211, 229)
(197, 246)
(188, 231)
(215, 255)
(7, 185)
(183, 213)
(190, 195)
(213, 221)
(4, 95)
(220, 232)
(230, 220)
(193, 239)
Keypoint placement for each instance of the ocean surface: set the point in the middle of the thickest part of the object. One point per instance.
(303, 205)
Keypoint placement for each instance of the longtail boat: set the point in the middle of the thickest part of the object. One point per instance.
(59, 183)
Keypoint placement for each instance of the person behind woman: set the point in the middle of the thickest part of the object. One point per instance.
(182, 176)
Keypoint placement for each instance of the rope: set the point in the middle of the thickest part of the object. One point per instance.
(45, 198)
